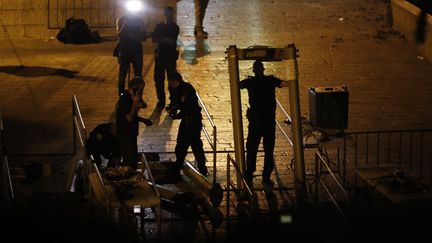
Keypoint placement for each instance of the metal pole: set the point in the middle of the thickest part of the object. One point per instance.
(86, 165)
(214, 154)
(294, 101)
(228, 200)
(74, 131)
(236, 111)
(317, 178)
(2, 142)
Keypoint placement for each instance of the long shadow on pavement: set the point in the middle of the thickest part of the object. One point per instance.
(40, 71)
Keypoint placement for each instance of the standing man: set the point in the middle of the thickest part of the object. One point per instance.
(185, 102)
(261, 116)
(165, 35)
(127, 121)
(131, 32)
(200, 9)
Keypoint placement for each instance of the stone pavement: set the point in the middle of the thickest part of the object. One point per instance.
(340, 42)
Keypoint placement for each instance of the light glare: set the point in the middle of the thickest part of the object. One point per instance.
(134, 6)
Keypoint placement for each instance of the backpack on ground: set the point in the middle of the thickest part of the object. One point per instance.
(77, 31)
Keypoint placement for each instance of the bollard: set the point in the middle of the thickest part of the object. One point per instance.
(213, 191)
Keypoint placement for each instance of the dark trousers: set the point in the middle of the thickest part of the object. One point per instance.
(189, 134)
(163, 64)
(260, 129)
(128, 148)
(200, 9)
(124, 63)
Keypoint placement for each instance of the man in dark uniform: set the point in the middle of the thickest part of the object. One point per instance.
(102, 144)
(261, 116)
(165, 35)
(185, 107)
(131, 32)
(127, 121)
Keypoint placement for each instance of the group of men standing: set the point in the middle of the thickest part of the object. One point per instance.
(132, 32)
(183, 100)
(129, 50)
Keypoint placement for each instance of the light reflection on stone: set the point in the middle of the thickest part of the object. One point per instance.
(195, 50)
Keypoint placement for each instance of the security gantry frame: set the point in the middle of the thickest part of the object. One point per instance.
(289, 55)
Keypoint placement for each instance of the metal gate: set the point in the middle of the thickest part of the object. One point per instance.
(97, 13)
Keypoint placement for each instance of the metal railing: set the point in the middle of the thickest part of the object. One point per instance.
(78, 124)
(146, 167)
(7, 192)
(320, 161)
(97, 14)
(212, 142)
(288, 118)
(94, 169)
(404, 149)
(407, 150)
(284, 133)
(79, 128)
(2, 145)
(231, 186)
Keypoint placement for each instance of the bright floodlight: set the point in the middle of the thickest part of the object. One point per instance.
(134, 6)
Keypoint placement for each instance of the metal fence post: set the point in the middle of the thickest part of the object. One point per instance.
(236, 111)
(294, 100)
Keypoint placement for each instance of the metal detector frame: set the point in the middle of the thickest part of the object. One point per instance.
(289, 55)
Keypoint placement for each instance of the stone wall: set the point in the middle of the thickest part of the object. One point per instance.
(405, 16)
(41, 18)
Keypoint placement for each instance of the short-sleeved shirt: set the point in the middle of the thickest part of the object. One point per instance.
(133, 33)
(123, 108)
(170, 30)
(262, 97)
